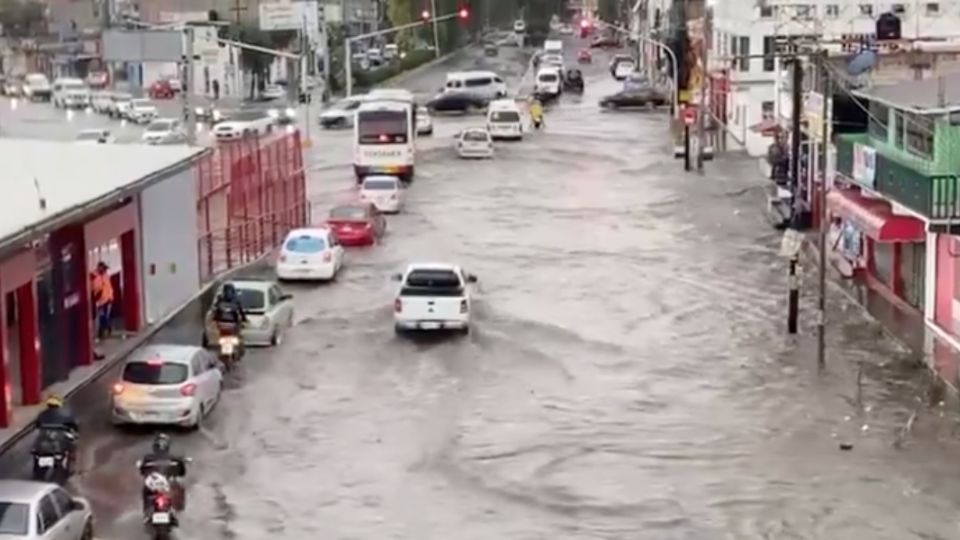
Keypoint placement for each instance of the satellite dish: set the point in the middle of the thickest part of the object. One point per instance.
(862, 63)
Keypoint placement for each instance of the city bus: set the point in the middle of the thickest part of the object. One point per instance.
(385, 134)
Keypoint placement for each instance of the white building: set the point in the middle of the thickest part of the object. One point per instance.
(749, 27)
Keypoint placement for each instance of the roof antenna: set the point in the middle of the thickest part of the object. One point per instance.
(40, 199)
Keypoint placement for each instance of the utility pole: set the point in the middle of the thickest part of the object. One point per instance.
(704, 85)
(325, 26)
(436, 31)
(793, 299)
(189, 114)
(822, 214)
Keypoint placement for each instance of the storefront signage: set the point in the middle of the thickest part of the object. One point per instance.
(864, 165)
(813, 113)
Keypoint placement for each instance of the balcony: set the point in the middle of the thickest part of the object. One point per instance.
(935, 196)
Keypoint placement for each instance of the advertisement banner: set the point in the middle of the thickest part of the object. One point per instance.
(864, 165)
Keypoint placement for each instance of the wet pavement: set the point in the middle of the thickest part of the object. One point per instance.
(628, 375)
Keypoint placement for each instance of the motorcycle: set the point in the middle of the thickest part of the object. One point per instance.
(53, 456)
(160, 514)
(229, 350)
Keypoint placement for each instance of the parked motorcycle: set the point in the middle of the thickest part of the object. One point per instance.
(53, 456)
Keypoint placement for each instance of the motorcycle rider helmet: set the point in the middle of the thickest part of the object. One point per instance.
(54, 401)
(161, 443)
(229, 291)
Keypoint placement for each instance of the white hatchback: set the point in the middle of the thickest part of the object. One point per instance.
(504, 120)
(310, 254)
(167, 384)
(475, 143)
(384, 192)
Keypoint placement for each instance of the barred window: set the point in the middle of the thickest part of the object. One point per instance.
(899, 129)
(919, 135)
(879, 119)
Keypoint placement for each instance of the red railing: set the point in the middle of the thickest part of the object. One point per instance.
(250, 194)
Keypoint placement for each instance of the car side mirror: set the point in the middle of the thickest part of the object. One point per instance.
(286, 296)
(396, 277)
(471, 278)
(76, 505)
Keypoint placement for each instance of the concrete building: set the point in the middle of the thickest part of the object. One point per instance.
(746, 34)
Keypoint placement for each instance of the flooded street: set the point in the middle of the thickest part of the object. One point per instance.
(628, 375)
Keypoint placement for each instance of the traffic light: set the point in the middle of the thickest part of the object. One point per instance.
(425, 14)
(464, 13)
(584, 23)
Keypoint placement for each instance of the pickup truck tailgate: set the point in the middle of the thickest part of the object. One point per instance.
(430, 308)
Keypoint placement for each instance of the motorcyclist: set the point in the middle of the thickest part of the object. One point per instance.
(56, 416)
(536, 112)
(173, 467)
(228, 313)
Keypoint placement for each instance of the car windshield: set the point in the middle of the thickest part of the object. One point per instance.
(349, 213)
(155, 372)
(247, 116)
(548, 77)
(91, 136)
(476, 136)
(432, 283)
(504, 116)
(160, 126)
(380, 185)
(14, 518)
(73, 86)
(625, 66)
(382, 127)
(252, 300)
(305, 244)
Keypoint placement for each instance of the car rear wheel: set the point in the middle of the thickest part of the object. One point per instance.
(276, 338)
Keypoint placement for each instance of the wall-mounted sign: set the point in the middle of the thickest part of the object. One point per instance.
(864, 165)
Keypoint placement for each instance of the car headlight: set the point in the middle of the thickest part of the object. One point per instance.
(198, 111)
(291, 113)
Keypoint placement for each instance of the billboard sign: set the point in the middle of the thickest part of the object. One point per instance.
(143, 45)
(286, 15)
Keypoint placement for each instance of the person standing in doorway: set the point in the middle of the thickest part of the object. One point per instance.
(102, 291)
(216, 90)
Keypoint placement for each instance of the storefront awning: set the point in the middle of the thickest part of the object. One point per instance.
(767, 127)
(875, 217)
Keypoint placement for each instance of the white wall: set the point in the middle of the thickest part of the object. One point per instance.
(168, 240)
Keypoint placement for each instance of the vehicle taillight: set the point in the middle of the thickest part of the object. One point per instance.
(118, 389)
(327, 257)
(161, 502)
(463, 306)
(398, 305)
(188, 390)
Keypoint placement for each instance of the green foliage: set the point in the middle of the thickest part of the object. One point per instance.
(23, 18)
(609, 10)
(400, 12)
(368, 79)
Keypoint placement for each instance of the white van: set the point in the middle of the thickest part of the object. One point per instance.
(553, 46)
(548, 81)
(310, 254)
(70, 93)
(485, 84)
(36, 87)
(504, 120)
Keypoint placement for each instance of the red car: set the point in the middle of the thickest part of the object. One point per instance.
(161, 89)
(358, 224)
(584, 57)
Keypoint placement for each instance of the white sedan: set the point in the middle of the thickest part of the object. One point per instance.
(164, 131)
(141, 111)
(475, 143)
(424, 122)
(244, 124)
(310, 254)
(384, 192)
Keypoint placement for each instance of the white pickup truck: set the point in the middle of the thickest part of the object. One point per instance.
(433, 296)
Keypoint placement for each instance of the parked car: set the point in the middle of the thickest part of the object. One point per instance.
(70, 93)
(36, 87)
(244, 124)
(164, 131)
(100, 101)
(269, 312)
(475, 143)
(272, 92)
(141, 111)
(384, 192)
(161, 89)
(95, 136)
(584, 57)
(573, 81)
(309, 254)
(166, 384)
(433, 296)
(43, 511)
(358, 224)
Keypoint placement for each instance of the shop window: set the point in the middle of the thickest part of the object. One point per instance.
(933, 9)
(919, 135)
(744, 59)
(881, 264)
(913, 259)
(879, 118)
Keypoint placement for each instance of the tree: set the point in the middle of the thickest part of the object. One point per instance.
(23, 18)
(609, 10)
(401, 12)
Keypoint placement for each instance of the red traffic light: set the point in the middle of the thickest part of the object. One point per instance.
(584, 23)
(464, 13)
(425, 14)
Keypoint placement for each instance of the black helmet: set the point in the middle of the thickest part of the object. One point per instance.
(229, 291)
(161, 443)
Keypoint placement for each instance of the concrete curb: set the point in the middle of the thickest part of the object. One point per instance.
(134, 343)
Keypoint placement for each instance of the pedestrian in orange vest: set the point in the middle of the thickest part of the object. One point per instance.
(102, 291)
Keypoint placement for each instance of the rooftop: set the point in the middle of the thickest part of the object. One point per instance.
(924, 96)
(69, 176)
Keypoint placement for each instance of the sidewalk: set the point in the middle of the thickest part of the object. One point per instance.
(183, 325)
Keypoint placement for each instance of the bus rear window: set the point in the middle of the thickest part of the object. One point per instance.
(382, 127)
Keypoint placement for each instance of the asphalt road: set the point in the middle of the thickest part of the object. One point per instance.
(628, 376)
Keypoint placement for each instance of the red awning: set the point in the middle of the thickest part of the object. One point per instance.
(768, 127)
(875, 217)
